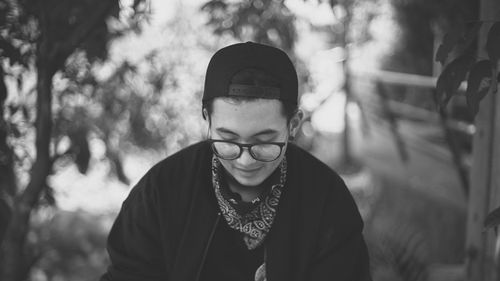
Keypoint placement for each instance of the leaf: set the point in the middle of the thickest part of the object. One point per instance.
(13, 109)
(9, 51)
(471, 34)
(450, 79)
(80, 148)
(449, 41)
(333, 3)
(493, 43)
(14, 129)
(492, 219)
(48, 195)
(478, 84)
(83, 156)
(26, 113)
(136, 4)
(19, 81)
(95, 45)
(117, 167)
(214, 5)
(3, 87)
(115, 11)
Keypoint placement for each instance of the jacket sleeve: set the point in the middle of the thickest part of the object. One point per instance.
(134, 243)
(341, 253)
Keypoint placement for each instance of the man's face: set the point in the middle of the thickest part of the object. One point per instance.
(249, 122)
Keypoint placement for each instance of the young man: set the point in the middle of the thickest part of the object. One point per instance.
(245, 204)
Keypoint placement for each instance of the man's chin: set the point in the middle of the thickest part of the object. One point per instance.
(246, 179)
(248, 182)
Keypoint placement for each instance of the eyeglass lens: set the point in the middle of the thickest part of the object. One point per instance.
(261, 152)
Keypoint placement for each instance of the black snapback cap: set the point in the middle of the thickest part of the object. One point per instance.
(229, 60)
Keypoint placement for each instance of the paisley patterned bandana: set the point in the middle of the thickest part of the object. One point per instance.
(257, 221)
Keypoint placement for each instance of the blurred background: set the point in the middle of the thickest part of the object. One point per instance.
(94, 93)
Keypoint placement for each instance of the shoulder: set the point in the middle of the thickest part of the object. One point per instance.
(321, 186)
(310, 168)
(190, 156)
(186, 163)
(182, 166)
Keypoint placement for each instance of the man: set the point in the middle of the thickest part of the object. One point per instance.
(245, 204)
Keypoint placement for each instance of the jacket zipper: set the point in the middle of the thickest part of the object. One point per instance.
(205, 251)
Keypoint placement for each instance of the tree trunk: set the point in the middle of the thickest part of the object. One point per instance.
(481, 253)
(347, 159)
(15, 260)
(7, 182)
(348, 163)
(14, 264)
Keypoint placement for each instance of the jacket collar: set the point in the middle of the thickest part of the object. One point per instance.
(289, 243)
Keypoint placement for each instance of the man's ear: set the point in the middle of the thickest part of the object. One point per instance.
(206, 117)
(205, 114)
(294, 122)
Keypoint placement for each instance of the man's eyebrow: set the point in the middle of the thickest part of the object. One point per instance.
(263, 132)
(266, 132)
(226, 131)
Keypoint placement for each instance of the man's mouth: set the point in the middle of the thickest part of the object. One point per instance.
(248, 171)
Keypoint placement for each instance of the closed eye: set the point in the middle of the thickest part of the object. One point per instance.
(227, 134)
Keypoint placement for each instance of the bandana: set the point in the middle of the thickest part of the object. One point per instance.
(257, 218)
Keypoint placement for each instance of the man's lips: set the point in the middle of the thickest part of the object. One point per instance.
(247, 171)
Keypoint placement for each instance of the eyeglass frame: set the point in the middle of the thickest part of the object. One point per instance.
(249, 146)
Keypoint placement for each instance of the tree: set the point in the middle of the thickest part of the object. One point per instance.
(40, 36)
(263, 21)
(480, 67)
(344, 39)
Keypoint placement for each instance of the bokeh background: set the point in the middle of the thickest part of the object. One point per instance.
(95, 92)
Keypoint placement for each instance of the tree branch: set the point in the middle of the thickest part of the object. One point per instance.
(64, 49)
(41, 168)
(49, 61)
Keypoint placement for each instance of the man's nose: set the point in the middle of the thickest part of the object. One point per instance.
(245, 157)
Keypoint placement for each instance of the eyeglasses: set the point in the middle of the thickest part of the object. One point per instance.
(230, 150)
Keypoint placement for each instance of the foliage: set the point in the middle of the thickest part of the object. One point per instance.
(264, 21)
(401, 255)
(478, 84)
(455, 37)
(72, 245)
(492, 220)
(483, 75)
(118, 104)
(451, 78)
(37, 38)
(77, 83)
(420, 22)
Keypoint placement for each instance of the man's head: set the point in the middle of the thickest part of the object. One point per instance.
(250, 97)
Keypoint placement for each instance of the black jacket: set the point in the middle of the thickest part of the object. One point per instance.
(165, 225)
